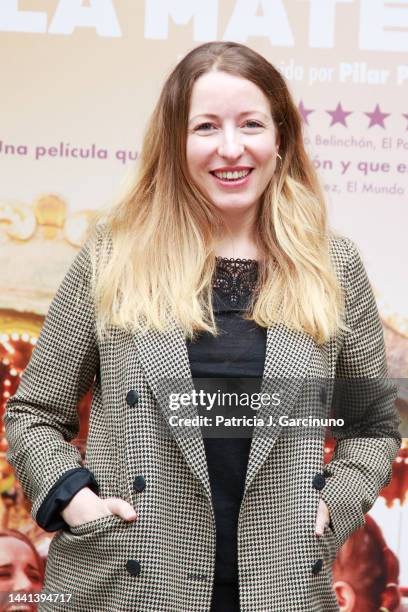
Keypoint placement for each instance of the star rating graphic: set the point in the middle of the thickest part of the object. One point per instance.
(304, 112)
(377, 117)
(339, 115)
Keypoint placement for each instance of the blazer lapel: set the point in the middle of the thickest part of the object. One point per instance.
(287, 358)
(164, 358)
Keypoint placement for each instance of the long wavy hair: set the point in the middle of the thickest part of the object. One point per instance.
(157, 259)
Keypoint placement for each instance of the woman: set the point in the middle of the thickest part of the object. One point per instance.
(218, 263)
(21, 571)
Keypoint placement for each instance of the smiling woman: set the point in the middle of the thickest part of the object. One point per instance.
(216, 272)
(232, 147)
(223, 172)
(21, 572)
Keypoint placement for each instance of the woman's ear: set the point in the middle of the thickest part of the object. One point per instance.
(277, 141)
(345, 594)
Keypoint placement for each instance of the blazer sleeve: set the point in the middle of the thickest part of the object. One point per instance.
(41, 417)
(362, 462)
(49, 514)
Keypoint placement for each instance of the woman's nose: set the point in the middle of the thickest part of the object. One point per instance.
(22, 582)
(231, 145)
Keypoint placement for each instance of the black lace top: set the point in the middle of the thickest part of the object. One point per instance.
(238, 352)
(234, 283)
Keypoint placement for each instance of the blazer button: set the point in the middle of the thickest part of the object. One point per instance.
(139, 484)
(318, 481)
(133, 567)
(323, 395)
(317, 567)
(132, 397)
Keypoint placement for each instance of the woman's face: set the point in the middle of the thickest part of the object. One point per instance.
(19, 571)
(230, 129)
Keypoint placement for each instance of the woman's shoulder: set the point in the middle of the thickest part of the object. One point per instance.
(348, 262)
(97, 241)
(343, 251)
(98, 233)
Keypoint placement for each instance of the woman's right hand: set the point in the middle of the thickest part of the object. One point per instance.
(86, 506)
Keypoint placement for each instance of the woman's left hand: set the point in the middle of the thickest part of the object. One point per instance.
(322, 519)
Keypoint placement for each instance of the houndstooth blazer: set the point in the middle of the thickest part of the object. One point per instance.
(164, 561)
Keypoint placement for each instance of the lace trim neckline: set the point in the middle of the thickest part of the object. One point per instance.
(235, 281)
(233, 259)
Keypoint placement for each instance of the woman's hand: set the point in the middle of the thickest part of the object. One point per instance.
(86, 506)
(322, 519)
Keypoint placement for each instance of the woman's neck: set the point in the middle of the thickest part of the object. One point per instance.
(238, 250)
(238, 240)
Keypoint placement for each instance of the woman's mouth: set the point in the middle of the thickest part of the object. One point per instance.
(234, 178)
(16, 607)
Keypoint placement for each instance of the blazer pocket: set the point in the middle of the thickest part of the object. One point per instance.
(328, 544)
(345, 512)
(95, 526)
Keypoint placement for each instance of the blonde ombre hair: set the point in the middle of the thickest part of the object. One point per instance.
(157, 259)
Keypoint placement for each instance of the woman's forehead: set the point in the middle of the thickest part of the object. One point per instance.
(11, 545)
(219, 91)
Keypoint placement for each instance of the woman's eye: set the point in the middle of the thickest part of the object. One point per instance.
(34, 576)
(203, 126)
(207, 126)
(5, 574)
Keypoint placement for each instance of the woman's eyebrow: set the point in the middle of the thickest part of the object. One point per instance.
(213, 116)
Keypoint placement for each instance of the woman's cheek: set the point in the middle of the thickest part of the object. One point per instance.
(5, 585)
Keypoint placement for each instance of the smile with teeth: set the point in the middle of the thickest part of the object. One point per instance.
(237, 174)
